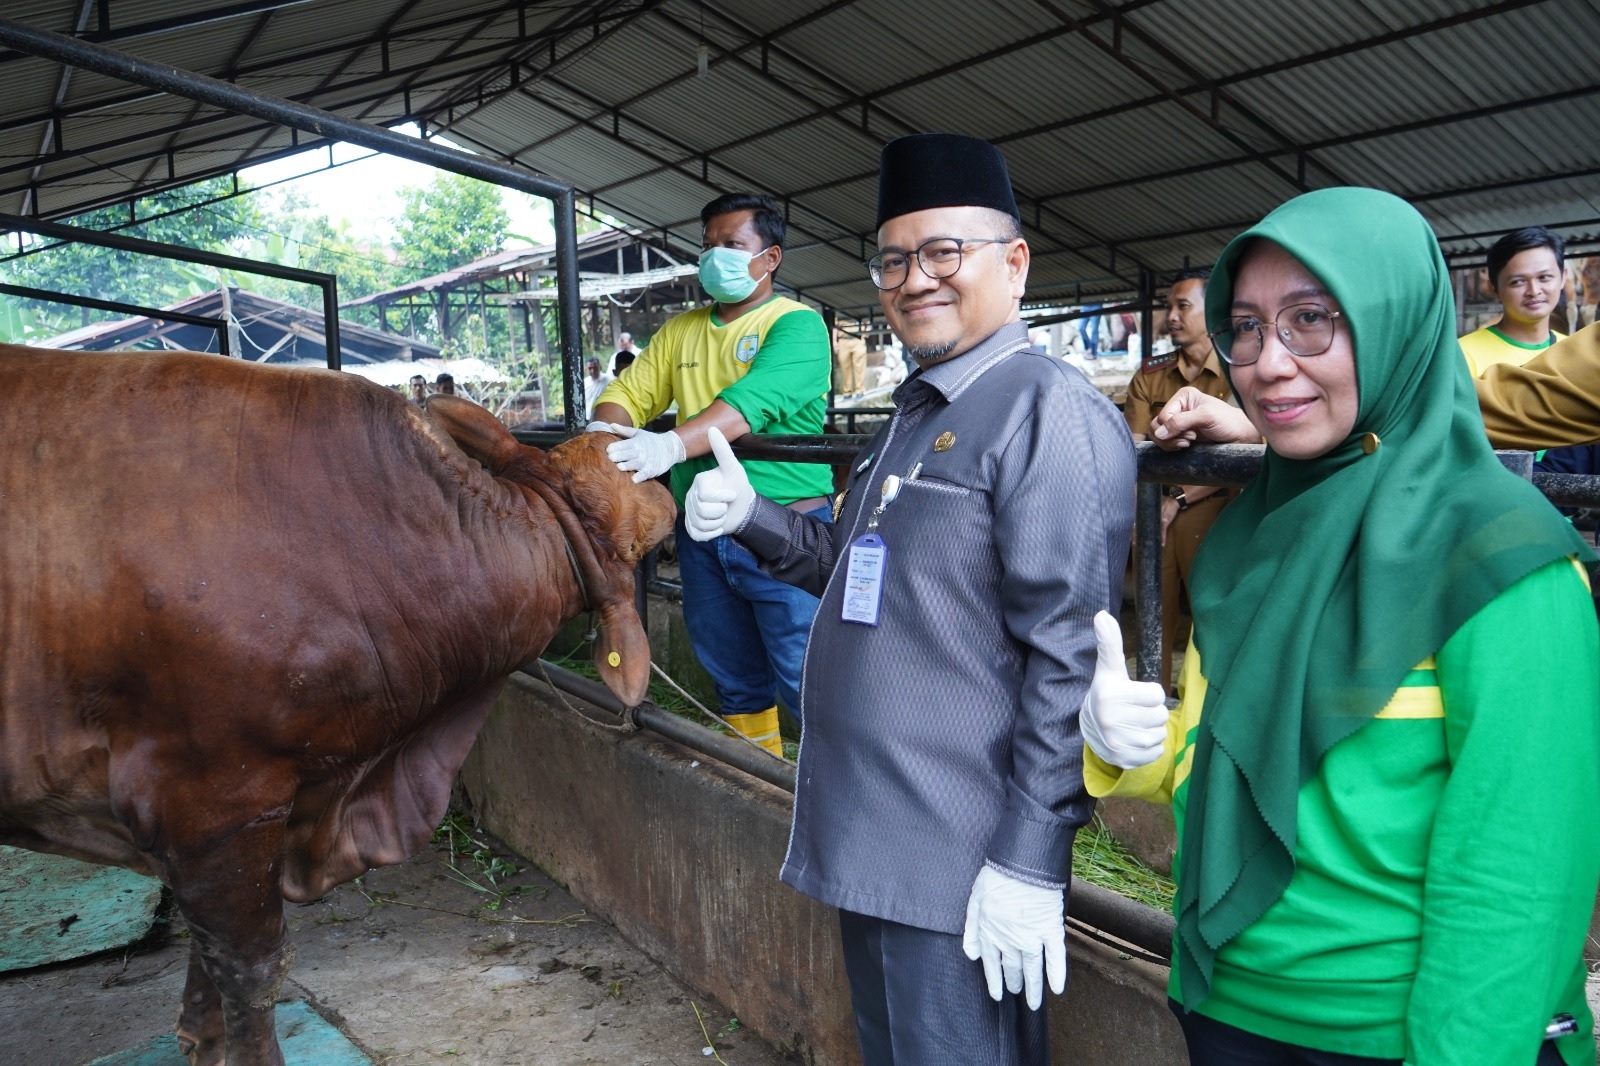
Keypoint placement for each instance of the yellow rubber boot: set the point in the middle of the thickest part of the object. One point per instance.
(761, 727)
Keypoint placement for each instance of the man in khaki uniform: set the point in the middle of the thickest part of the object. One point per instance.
(1187, 511)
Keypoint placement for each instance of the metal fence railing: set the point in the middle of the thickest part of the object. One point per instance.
(1225, 465)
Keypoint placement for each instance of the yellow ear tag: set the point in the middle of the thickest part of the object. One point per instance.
(614, 659)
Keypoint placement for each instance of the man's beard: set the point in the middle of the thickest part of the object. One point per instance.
(928, 353)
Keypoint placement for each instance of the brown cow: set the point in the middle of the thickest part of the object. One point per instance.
(251, 620)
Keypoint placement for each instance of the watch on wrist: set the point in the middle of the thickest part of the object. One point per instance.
(1176, 492)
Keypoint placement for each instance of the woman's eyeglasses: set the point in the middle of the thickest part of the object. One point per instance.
(1304, 329)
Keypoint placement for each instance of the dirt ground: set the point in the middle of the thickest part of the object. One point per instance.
(415, 967)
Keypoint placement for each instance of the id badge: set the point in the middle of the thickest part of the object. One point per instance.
(863, 579)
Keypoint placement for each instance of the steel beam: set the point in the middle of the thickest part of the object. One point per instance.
(187, 21)
(1025, 200)
(856, 101)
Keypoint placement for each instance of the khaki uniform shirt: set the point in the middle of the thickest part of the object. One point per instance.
(1551, 401)
(1160, 378)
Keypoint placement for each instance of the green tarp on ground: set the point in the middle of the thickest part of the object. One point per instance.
(305, 1036)
(52, 908)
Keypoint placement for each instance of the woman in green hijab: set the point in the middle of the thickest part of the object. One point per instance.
(1385, 767)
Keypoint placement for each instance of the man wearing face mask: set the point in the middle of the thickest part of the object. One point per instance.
(751, 362)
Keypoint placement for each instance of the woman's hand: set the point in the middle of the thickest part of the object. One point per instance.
(1192, 416)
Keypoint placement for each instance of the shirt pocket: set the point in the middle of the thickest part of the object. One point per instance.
(936, 519)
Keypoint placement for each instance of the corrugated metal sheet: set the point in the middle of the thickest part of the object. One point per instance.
(1144, 131)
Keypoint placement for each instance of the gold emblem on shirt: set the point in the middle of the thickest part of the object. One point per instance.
(945, 441)
(838, 505)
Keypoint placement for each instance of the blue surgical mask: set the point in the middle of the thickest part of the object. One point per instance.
(725, 274)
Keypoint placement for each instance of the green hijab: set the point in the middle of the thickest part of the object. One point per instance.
(1328, 579)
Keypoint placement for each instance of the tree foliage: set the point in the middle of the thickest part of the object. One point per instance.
(450, 221)
(295, 235)
(129, 277)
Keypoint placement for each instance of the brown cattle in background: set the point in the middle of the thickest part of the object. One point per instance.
(1584, 278)
(252, 619)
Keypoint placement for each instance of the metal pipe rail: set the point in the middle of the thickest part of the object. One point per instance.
(328, 283)
(1144, 927)
(1225, 465)
(28, 292)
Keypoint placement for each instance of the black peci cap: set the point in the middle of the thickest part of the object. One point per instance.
(927, 170)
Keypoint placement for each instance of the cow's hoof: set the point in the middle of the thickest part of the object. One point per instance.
(201, 1052)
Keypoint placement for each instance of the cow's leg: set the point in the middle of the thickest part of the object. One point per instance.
(218, 841)
(229, 894)
(200, 1033)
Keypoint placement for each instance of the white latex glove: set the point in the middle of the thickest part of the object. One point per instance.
(644, 453)
(1124, 722)
(600, 427)
(1017, 929)
(720, 497)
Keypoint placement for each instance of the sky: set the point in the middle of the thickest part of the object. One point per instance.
(366, 191)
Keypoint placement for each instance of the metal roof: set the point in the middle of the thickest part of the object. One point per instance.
(1141, 134)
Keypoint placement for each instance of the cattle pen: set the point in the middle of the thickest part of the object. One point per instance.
(670, 832)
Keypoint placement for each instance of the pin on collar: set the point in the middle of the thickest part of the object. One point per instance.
(944, 442)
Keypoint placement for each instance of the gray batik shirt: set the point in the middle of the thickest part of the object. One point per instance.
(947, 734)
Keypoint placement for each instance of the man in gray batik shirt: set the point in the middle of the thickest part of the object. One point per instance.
(940, 776)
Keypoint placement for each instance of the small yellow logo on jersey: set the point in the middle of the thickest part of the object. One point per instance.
(748, 346)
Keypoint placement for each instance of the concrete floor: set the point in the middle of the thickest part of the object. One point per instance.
(413, 968)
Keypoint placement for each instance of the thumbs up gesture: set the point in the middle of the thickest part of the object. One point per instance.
(1124, 722)
(720, 498)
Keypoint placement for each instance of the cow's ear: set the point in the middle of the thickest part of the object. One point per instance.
(477, 432)
(622, 652)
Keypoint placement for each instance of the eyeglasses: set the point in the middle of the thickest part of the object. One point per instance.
(1304, 329)
(938, 258)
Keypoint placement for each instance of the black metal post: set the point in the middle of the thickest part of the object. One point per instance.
(1147, 315)
(1147, 558)
(1147, 579)
(116, 307)
(569, 314)
(331, 343)
(235, 98)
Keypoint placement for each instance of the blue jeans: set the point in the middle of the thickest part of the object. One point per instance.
(747, 629)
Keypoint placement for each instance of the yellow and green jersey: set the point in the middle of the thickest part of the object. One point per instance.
(771, 364)
(1446, 854)
(1487, 346)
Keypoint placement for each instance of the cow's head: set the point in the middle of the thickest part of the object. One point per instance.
(618, 521)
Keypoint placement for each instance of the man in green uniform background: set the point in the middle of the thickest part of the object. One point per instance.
(751, 362)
